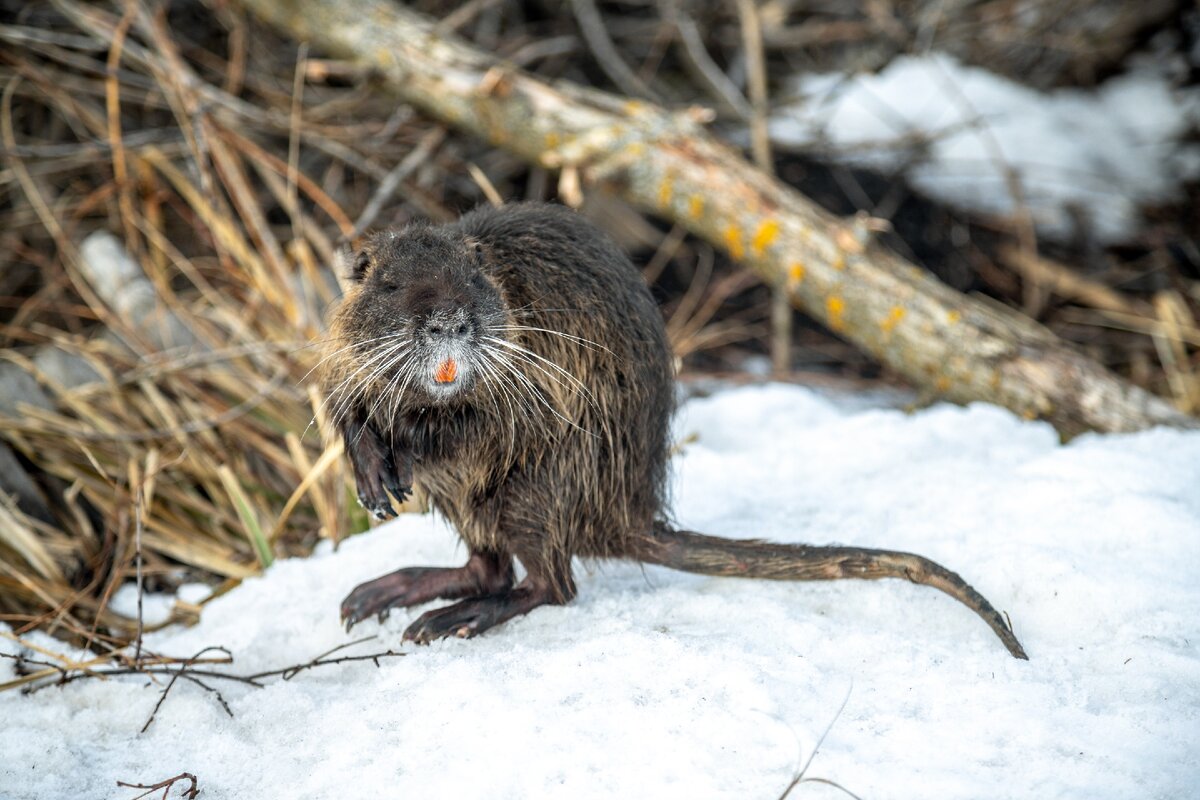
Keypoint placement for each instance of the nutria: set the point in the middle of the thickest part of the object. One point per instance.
(514, 365)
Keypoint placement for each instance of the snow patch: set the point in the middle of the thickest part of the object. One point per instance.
(156, 606)
(958, 132)
(658, 684)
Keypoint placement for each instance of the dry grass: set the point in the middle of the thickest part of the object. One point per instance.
(225, 441)
(230, 164)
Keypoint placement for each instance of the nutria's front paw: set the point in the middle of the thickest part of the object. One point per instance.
(373, 492)
(374, 473)
(377, 502)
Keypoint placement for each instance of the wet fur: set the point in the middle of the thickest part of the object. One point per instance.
(560, 468)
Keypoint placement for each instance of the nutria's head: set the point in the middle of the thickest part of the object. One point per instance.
(417, 321)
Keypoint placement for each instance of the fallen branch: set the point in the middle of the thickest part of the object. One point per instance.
(50, 674)
(959, 347)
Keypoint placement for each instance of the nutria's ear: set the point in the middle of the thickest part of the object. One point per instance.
(362, 262)
(351, 263)
(476, 248)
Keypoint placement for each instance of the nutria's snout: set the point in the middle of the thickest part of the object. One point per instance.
(449, 349)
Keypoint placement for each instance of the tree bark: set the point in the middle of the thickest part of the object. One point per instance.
(962, 348)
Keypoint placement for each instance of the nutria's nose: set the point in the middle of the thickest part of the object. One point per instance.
(449, 330)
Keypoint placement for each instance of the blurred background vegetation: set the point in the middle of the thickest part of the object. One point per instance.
(176, 178)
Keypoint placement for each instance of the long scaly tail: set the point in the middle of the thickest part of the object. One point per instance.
(688, 551)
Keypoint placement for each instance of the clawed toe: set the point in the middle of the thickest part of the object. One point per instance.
(378, 505)
(375, 597)
(398, 490)
(412, 586)
(472, 617)
(443, 623)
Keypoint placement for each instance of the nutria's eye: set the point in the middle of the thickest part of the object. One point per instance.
(477, 251)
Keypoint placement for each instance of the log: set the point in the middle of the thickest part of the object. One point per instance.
(958, 347)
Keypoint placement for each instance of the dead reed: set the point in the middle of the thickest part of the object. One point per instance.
(154, 401)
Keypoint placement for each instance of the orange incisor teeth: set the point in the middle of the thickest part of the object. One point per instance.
(446, 371)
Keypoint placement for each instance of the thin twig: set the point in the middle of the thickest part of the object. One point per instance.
(174, 677)
(287, 673)
(485, 185)
(53, 674)
(293, 162)
(1026, 233)
(463, 14)
(395, 176)
(219, 697)
(756, 73)
(138, 525)
(190, 793)
(591, 24)
(700, 63)
(799, 777)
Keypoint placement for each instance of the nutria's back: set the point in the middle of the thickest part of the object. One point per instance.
(600, 474)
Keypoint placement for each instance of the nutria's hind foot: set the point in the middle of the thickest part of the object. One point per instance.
(474, 616)
(404, 587)
(483, 574)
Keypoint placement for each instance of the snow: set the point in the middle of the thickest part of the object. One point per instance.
(156, 606)
(957, 132)
(659, 684)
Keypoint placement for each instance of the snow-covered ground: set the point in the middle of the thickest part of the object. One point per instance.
(658, 684)
(981, 142)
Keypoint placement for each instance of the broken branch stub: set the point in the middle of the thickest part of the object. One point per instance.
(963, 348)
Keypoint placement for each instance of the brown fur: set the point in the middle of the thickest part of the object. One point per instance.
(553, 442)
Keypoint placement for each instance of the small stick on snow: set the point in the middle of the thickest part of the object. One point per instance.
(190, 793)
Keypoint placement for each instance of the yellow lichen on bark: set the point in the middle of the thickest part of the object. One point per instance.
(890, 321)
(767, 233)
(836, 307)
(733, 242)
